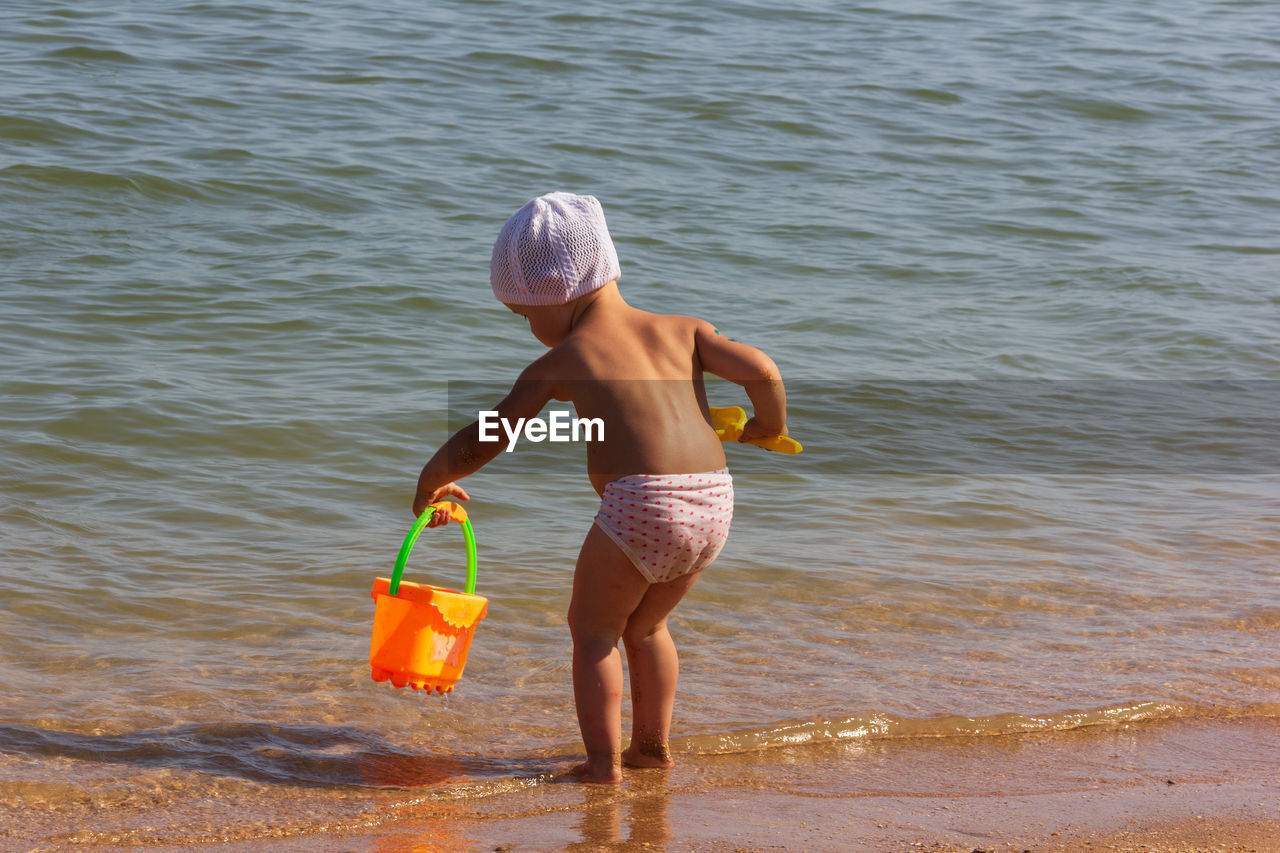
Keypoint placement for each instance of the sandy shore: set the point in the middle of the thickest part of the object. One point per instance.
(1194, 817)
(1187, 785)
(760, 821)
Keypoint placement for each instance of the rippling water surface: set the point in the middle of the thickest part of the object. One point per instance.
(1017, 261)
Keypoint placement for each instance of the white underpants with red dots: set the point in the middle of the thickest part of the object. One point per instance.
(668, 524)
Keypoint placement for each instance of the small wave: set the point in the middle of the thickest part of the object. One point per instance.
(1105, 110)
(41, 131)
(798, 128)
(93, 54)
(148, 186)
(1238, 249)
(882, 727)
(521, 62)
(301, 756)
(935, 95)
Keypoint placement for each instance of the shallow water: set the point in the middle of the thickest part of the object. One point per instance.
(1017, 262)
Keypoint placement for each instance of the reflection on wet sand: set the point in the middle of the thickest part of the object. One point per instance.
(558, 817)
(645, 806)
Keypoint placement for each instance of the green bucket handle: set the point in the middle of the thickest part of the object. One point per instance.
(418, 527)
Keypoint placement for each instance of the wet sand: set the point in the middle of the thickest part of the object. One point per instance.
(1187, 785)
(1178, 787)
(766, 821)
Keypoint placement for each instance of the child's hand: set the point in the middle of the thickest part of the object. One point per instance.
(753, 430)
(441, 516)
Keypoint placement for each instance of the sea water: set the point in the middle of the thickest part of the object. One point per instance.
(1017, 262)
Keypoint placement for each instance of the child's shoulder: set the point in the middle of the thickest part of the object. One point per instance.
(634, 324)
(672, 331)
(669, 321)
(677, 322)
(626, 343)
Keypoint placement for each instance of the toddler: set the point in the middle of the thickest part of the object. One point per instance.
(666, 495)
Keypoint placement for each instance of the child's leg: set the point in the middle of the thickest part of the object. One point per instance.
(655, 668)
(607, 589)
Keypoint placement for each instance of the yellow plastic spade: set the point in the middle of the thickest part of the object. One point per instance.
(729, 421)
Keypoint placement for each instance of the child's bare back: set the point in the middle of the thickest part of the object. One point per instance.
(666, 495)
(641, 375)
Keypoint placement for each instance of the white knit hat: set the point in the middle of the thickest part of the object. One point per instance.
(553, 250)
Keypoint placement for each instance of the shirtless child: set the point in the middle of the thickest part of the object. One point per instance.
(666, 495)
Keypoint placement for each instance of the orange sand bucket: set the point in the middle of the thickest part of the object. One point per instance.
(421, 633)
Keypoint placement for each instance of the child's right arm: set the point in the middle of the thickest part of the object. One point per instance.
(464, 453)
(754, 371)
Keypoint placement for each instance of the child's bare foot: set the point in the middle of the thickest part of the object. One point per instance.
(647, 755)
(610, 774)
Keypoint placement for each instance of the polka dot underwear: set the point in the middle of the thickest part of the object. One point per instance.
(668, 524)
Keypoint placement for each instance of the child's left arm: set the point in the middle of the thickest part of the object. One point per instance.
(464, 453)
